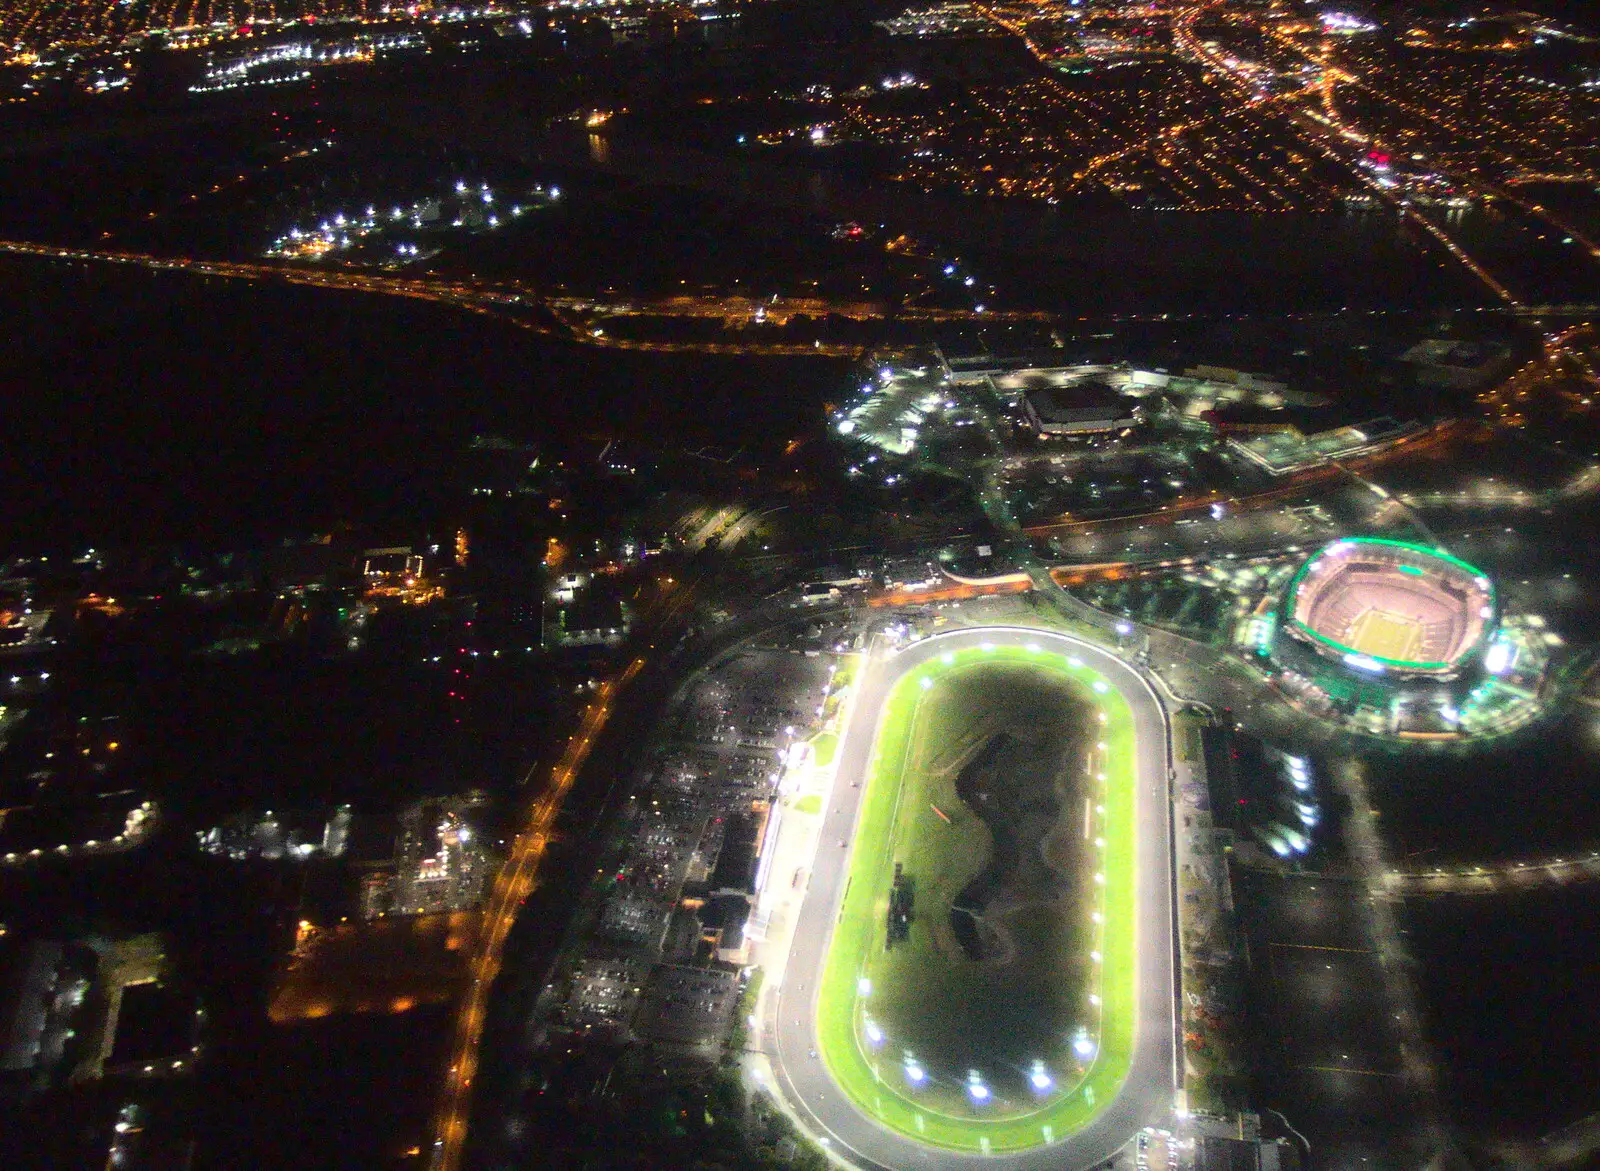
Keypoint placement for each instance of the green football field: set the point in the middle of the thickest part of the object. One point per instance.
(1037, 1009)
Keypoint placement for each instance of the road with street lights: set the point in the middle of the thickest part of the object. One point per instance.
(1148, 1096)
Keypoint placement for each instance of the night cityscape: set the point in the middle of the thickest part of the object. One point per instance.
(892, 585)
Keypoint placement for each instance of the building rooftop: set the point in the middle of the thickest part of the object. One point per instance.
(1077, 400)
(736, 864)
(155, 1023)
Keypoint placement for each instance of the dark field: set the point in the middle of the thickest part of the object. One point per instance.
(999, 751)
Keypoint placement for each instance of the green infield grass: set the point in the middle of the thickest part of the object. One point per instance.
(997, 1013)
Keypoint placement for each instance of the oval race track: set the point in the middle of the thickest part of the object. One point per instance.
(1147, 1097)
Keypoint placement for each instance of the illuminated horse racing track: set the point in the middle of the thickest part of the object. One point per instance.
(997, 982)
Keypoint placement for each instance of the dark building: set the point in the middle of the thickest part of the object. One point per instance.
(1078, 408)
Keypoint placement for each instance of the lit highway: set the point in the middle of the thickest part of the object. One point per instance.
(1496, 877)
(512, 885)
(575, 319)
(1291, 485)
(582, 320)
(1147, 1098)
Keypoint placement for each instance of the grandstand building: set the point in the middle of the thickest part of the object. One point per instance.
(1386, 624)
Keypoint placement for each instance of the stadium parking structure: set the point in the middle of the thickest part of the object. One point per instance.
(1080, 1059)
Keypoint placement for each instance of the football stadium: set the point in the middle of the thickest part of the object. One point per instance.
(1393, 607)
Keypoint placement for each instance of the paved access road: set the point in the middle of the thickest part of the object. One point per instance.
(1148, 1095)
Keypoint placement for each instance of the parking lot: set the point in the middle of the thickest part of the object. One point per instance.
(690, 838)
(1324, 1030)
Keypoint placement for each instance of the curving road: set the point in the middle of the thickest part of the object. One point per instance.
(1148, 1095)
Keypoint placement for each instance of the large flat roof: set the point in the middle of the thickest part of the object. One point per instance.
(1077, 401)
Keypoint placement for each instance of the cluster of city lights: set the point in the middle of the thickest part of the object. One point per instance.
(293, 61)
(474, 204)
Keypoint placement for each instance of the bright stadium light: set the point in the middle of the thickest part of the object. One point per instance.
(1364, 663)
(915, 1074)
(986, 646)
(976, 1090)
(1082, 1046)
(926, 683)
(874, 1033)
(1040, 1078)
(863, 987)
(1499, 658)
(1034, 648)
(1124, 628)
(1074, 661)
(947, 658)
(1101, 686)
